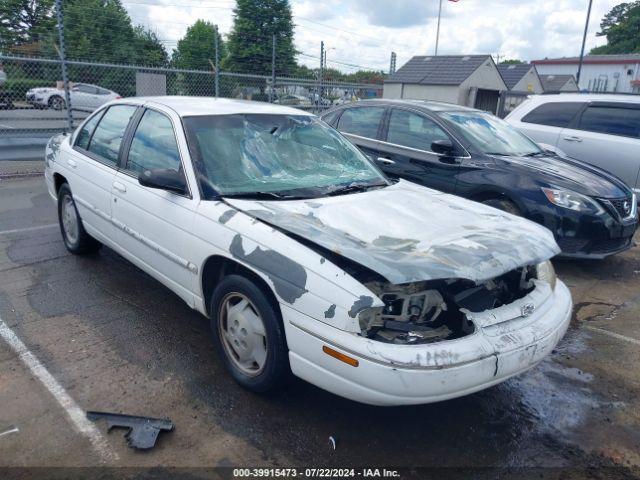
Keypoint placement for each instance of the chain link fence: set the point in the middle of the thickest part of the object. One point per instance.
(33, 101)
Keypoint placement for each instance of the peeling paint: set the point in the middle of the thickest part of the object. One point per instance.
(330, 312)
(226, 216)
(363, 302)
(288, 277)
(418, 234)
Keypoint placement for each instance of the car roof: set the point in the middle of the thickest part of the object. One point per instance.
(584, 97)
(195, 106)
(426, 105)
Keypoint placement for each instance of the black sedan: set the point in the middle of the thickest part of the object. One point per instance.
(476, 155)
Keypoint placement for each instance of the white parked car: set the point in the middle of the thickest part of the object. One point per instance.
(600, 129)
(83, 96)
(304, 256)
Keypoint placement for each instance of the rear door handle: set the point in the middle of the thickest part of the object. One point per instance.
(573, 139)
(72, 163)
(120, 187)
(386, 161)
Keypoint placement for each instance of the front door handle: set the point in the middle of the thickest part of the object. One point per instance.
(386, 161)
(573, 139)
(72, 163)
(120, 187)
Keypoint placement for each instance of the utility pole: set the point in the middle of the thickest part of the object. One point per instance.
(63, 63)
(217, 59)
(438, 29)
(392, 64)
(273, 67)
(584, 39)
(320, 74)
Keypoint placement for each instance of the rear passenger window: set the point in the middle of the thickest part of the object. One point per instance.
(624, 122)
(154, 144)
(107, 138)
(361, 121)
(411, 130)
(554, 114)
(85, 133)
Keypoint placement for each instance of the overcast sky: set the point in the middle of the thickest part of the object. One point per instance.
(365, 32)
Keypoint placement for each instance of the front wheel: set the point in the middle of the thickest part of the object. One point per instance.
(56, 102)
(75, 237)
(248, 334)
(504, 205)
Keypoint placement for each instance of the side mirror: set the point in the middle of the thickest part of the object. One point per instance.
(443, 147)
(163, 179)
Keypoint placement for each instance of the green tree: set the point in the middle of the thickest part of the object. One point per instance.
(511, 61)
(621, 26)
(149, 50)
(24, 24)
(196, 49)
(250, 40)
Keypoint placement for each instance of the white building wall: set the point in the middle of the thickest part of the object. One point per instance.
(530, 82)
(392, 91)
(438, 93)
(598, 77)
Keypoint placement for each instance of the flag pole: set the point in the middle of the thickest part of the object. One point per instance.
(438, 29)
(584, 39)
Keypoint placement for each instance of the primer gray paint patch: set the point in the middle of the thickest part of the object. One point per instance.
(363, 302)
(226, 216)
(289, 278)
(330, 312)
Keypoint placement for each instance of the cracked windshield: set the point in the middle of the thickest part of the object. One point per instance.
(254, 153)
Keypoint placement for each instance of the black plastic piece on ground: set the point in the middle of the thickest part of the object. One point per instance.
(143, 431)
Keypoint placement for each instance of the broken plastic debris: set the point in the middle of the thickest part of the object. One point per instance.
(143, 431)
(9, 430)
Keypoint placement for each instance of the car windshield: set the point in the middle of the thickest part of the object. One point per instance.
(271, 155)
(492, 135)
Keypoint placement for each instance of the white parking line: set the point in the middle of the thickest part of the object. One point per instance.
(613, 334)
(2, 125)
(76, 414)
(28, 229)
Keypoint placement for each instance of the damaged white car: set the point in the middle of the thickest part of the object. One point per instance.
(306, 258)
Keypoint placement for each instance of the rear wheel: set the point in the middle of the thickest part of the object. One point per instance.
(504, 205)
(56, 102)
(248, 334)
(75, 237)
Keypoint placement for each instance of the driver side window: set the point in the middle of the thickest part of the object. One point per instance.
(154, 144)
(412, 130)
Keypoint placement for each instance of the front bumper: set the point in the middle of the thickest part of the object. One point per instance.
(587, 236)
(390, 374)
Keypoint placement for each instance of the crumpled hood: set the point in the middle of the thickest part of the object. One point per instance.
(409, 233)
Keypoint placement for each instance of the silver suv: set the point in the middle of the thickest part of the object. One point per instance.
(603, 130)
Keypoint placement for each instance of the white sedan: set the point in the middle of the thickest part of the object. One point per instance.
(306, 259)
(83, 96)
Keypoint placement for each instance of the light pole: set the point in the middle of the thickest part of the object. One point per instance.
(438, 28)
(584, 39)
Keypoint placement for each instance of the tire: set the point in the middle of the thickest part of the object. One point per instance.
(56, 102)
(74, 236)
(259, 363)
(504, 205)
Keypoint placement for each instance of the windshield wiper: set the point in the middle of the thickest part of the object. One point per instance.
(264, 196)
(533, 154)
(355, 187)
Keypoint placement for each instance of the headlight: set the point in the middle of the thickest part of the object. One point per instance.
(572, 200)
(546, 273)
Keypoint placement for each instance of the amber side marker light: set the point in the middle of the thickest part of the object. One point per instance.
(340, 356)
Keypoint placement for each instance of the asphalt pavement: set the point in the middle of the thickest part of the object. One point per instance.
(99, 334)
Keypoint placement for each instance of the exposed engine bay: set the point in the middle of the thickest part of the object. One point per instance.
(428, 312)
